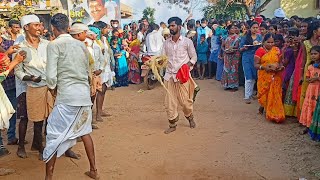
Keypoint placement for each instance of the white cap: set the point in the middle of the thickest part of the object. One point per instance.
(78, 28)
(279, 13)
(27, 19)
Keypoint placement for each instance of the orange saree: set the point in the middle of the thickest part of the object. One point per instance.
(269, 85)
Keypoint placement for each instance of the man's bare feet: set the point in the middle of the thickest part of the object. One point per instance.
(94, 126)
(21, 153)
(170, 130)
(69, 153)
(99, 118)
(93, 174)
(104, 114)
(13, 142)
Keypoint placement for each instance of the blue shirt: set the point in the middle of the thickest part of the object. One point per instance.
(202, 50)
(200, 30)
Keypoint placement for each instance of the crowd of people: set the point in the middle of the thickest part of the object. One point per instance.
(58, 74)
(276, 60)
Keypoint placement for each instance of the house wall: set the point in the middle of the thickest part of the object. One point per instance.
(302, 8)
(269, 10)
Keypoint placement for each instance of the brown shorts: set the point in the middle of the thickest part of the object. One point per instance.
(22, 106)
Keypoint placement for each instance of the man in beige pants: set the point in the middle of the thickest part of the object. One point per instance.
(180, 51)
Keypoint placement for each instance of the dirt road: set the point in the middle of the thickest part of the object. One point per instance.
(231, 141)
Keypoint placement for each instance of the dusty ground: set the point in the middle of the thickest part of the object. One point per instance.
(230, 142)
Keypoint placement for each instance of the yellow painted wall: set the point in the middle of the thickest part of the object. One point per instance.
(302, 8)
(269, 10)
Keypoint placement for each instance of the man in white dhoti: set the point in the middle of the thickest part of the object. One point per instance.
(68, 77)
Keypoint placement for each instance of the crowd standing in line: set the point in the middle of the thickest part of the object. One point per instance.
(276, 60)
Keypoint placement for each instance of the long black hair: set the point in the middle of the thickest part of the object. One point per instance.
(313, 27)
(249, 40)
(275, 27)
(293, 31)
(268, 36)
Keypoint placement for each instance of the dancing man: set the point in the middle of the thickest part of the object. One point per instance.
(72, 115)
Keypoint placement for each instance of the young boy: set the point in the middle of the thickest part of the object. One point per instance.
(202, 50)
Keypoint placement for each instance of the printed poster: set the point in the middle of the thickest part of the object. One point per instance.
(89, 11)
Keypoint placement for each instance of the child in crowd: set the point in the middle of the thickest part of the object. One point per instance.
(202, 50)
(313, 91)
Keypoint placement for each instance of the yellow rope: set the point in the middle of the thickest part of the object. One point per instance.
(157, 63)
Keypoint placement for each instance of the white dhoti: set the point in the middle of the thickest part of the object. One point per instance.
(65, 125)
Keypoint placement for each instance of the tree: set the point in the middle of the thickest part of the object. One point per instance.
(187, 5)
(224, 10)
(148, 13)
(235, 8)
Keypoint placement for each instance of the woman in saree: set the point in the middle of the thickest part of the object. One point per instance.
(134, 69)
(290, 56)
(268, 61)
(121, 68)
(313, 36)
(230, 77)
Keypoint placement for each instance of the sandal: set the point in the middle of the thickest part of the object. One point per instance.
(3, 151)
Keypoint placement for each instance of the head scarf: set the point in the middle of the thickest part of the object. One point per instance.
(27, 19)
(78, 28)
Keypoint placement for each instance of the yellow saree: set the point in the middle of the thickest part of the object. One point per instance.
(269, 86)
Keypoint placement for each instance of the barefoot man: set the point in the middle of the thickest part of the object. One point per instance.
(180, 51)
(68, 77)
(33, 71)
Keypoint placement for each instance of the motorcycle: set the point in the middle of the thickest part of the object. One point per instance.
(146, 73)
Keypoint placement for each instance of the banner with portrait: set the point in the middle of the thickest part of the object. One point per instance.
(89, 11)
(39, 4)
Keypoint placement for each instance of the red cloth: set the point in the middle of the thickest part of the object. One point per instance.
(258, 19)
(183, 74)
(2, 68)
(260, 52)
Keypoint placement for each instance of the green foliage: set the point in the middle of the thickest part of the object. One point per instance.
(148, 13)
(225, 10)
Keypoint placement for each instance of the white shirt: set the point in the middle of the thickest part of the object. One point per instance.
(34, 64)
(140, 36)
(20, 39)
(68, 70)
(178, 53)
(99, 61)
(154, 43)
(21, 86)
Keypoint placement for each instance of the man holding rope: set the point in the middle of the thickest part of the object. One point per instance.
(181, 58)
